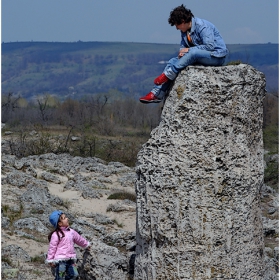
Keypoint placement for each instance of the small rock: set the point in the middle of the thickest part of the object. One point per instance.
(33, 132)
(8, 132)
(75, 138)
(50, 177)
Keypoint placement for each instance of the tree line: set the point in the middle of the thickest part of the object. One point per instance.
(106, 113)
(110, 126)
(96, 67)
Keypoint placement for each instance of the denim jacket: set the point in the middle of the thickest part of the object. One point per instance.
(205, 36)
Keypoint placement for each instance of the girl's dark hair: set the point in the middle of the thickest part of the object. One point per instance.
(180, 14)
(57, 230)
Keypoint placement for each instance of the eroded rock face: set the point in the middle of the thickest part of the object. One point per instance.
(199, 179)
(103, 262)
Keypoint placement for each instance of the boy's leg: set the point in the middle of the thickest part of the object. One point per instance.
(60, 271)
(71, 270)
(168, 70)
(166, 75)
(160, 91)
(192, 57)
(175, 65)
(157, 94)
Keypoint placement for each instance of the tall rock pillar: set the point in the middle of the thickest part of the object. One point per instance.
(199, 179)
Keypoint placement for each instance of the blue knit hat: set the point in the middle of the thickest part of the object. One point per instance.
(54, 217)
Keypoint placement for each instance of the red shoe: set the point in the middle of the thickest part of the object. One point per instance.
(149, 98)
(161, 79)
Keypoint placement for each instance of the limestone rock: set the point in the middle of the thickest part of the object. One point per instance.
(120, 238)
(31, 223)
(123, 205)
(103, 262)
(34, 186)
(102, 219)
(15, 253)
(50, 178)
(199, 179)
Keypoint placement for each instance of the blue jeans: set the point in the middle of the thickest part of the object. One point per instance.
(175, 65)
(66, 270)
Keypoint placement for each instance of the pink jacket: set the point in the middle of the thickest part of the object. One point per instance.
(63, 249)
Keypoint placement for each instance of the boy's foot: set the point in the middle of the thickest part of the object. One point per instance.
(149, 98)
(161, 79)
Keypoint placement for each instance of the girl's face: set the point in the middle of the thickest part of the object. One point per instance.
(63, 221)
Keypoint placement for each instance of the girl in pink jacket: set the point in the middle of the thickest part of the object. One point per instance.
(61, 253)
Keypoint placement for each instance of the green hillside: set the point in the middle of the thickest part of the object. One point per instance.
(82, 68)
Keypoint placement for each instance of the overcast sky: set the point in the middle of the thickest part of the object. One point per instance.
(239, 21)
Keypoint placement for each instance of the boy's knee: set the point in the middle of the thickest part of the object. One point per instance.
(173, 60)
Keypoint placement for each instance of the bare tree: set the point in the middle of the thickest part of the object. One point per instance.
(43, 102)
(9, 104)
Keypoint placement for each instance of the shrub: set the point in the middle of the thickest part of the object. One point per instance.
(123, 196)
(234, 62)
(271, 138)
(38, 259)
(271, 174)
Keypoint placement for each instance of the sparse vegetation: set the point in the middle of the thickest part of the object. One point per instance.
(38, 259)
(36, 211)
(37, 272)
(38, 239)
(271, 174)
(66, 203)
(120, 225)
(5, 209)
(12, 214)
(234, 62)
(6, 260)
(123, 195)
(271, 139)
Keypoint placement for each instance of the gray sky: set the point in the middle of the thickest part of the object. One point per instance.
(239, 21)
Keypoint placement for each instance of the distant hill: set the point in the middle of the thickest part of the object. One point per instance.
(81, 68)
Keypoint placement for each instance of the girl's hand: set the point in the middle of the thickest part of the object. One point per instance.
(182, 52)
(52, 264)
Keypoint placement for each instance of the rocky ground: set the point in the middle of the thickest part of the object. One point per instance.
(34, 186)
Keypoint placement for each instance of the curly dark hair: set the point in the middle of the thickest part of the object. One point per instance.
(180, 14)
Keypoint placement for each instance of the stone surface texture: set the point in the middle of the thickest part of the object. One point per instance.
(199, 179)
(80, 187)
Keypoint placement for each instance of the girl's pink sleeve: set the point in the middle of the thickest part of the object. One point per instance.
(52, 247)
(79, 240)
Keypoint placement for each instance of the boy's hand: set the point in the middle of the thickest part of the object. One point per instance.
(182, 52)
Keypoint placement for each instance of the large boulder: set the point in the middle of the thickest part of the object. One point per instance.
(199, 179)
(103, 262)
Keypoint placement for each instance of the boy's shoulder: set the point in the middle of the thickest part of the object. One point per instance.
(199, 22)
